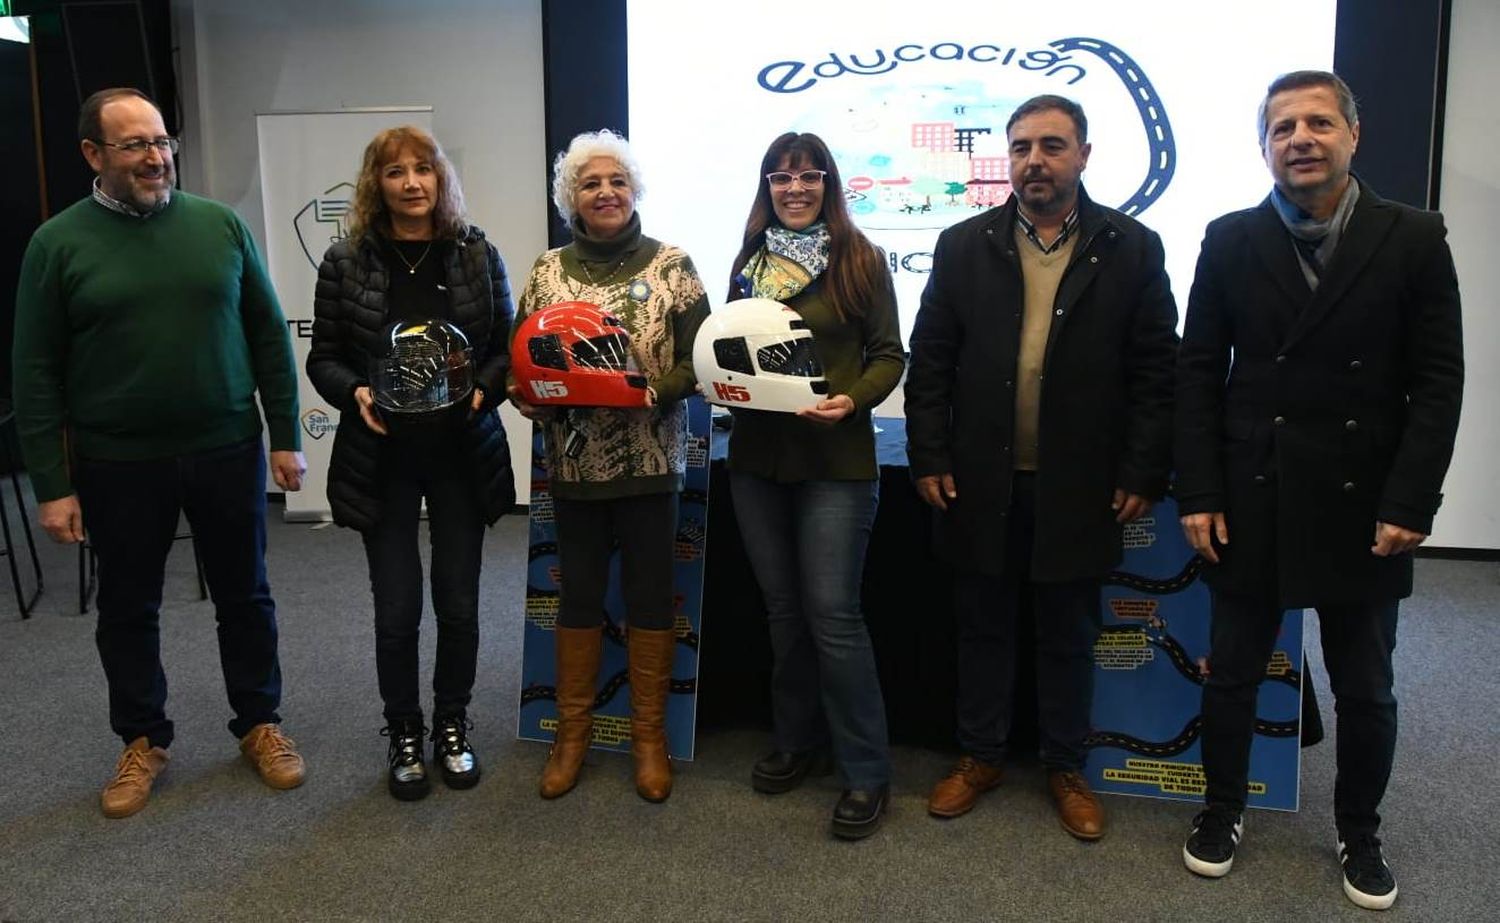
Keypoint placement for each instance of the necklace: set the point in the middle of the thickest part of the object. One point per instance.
(607, 279)
(411, 268)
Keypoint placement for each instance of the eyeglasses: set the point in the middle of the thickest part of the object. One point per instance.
(810, 179)
(139, 145)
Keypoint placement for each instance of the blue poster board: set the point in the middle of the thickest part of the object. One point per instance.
(538, 710)
(1148, 685)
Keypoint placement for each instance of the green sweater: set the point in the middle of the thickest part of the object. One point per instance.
(862, 358)
(144, 338)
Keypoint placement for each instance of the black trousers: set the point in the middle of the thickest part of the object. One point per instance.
(1358, 643)
(1067, 618)
(645, 529)
(455, 520)
(130, 510)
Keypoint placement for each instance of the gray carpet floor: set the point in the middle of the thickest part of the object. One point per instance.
(215, 844)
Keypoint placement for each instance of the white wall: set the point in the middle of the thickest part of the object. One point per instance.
(1470, 194)
(478, 63)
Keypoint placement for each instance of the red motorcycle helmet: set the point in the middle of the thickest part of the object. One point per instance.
(575, 354)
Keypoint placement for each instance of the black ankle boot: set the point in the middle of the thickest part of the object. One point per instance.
(779, 771)
(455, 759)
(859, 812)
(407, 775)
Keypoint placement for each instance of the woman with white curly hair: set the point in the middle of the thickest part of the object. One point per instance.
(620, 482)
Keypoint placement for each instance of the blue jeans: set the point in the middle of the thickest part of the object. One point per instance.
(130, 511)
(806, 543)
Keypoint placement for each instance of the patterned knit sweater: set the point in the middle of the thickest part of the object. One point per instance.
(654, 291)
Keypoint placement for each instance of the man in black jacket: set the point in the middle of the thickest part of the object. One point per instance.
(1318, 396)
(1032, 484)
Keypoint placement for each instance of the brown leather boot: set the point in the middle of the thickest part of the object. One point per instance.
(650, 678)
(577, 673)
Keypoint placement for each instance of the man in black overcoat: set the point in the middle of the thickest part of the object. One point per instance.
(1033, 480)
(1318, 393)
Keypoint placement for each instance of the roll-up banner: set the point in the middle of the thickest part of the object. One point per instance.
(544, 575)
(1149, 670)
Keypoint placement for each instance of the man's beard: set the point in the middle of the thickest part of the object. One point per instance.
(1045, 200)
(152, 205)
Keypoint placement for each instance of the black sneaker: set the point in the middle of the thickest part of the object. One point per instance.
(780, 771)
(451, 752)
(1209, 850)
(1368, 881)
(407, 776)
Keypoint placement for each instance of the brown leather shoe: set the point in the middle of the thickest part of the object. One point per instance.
(651, 654)
(274, 756)
(1077, 806)
(577, 653)
(130, 789)
(966, 781)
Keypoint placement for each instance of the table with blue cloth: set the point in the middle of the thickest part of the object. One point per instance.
(908, 605)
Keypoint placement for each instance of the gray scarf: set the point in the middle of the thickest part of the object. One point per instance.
(1315, 240)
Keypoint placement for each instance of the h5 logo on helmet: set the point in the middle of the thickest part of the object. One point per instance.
(552, 390)
(727, 392)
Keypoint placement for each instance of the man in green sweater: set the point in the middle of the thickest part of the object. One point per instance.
(145, 324)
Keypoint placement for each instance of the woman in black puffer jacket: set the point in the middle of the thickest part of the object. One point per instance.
(411, 256)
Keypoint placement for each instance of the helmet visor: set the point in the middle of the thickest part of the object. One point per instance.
(609, 352)
(790, 357)
(417, 377)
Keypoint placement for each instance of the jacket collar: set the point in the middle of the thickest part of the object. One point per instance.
(1091, 218)
(1362, 237)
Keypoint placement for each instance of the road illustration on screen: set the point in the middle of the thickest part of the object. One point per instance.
(924, 156)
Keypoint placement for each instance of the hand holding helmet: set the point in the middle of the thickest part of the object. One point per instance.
(364, 398)
(829, 410)
(530, 411)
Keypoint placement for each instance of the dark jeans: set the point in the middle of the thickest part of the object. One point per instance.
(806, 543)
(130, 510)
(1067, 618)
(1358, 641)
(456, 526)
(645, 528)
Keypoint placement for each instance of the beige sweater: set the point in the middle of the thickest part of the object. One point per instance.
(1042, 273)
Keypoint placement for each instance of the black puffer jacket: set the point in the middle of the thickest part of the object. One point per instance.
(349, 316)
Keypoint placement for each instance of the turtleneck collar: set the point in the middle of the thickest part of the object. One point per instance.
(599, 250)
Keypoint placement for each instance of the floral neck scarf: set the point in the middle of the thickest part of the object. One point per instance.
(787, 263)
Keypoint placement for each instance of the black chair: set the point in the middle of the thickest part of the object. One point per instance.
(88, 571)
(8, 461)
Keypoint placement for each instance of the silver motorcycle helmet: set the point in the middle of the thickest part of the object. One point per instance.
(423, 378)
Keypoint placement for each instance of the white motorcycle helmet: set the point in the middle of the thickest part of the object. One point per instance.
(758, 353)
